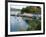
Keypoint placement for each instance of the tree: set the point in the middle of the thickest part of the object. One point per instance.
(31, 9)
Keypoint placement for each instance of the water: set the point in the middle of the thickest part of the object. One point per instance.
(17, 24)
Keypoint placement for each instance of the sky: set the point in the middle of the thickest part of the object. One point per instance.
(18, 6)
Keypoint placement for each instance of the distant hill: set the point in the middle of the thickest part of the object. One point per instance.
(13, 9)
